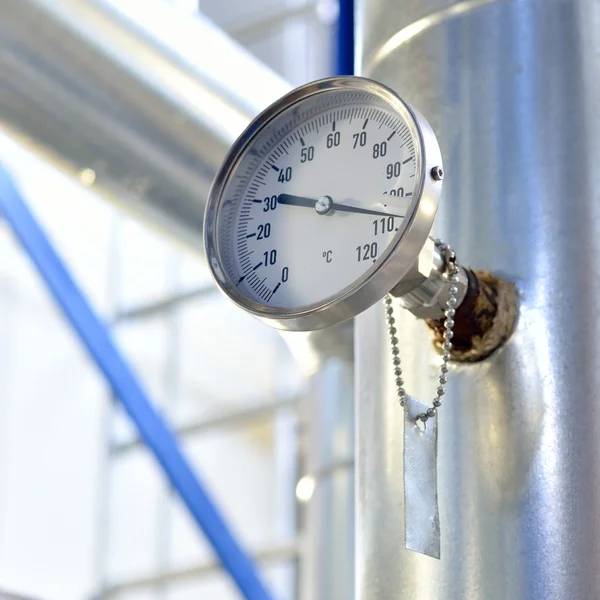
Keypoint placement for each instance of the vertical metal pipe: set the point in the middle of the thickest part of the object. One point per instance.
(511, 88)
(286, 474)
(328, 440)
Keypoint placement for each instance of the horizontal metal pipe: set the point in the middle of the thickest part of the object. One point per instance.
(137, 100)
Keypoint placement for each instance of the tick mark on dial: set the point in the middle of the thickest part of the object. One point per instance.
(240, 280)
(407, 160)
(365, 123)
(302, 141)
(256, 267)
(257, 201)
(250, 235)
(391, 136)
(274, 167)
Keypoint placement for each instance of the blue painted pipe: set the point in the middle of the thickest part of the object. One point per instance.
(151, 427)
(345, 38)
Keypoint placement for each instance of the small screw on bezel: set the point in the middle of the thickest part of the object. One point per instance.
(437, 173)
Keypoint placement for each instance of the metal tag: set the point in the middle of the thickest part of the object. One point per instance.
(421, 518)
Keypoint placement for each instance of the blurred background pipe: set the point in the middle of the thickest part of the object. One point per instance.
(137, 100)
(326, 492)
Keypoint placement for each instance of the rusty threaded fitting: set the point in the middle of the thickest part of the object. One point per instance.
(484, 320)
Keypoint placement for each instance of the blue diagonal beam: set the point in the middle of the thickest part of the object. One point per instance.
(152, 429)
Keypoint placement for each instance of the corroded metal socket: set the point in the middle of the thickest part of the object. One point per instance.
(484, 320)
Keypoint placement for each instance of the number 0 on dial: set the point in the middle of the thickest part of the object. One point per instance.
(323, 204)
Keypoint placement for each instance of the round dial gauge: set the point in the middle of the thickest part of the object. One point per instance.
(323, 204)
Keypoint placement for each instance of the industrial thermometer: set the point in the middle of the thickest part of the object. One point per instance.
(322, 208)
(323, 204)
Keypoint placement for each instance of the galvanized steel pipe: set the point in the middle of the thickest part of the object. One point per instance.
(512, 89)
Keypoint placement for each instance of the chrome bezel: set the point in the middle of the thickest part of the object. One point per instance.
(401, 253)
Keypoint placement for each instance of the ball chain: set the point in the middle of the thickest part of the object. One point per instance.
(452, 270)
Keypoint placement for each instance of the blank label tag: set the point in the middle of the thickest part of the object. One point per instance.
(421, 518)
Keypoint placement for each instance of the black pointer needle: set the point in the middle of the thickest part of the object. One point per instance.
(296, 200)
(291, 200)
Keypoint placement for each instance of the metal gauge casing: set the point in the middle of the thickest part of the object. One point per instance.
(323, 204)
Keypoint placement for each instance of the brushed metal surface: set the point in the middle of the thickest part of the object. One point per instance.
(135, 99)
(512, 90)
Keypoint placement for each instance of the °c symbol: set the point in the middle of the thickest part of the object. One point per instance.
(327, 255)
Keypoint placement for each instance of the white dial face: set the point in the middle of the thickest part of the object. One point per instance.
(320, 194)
